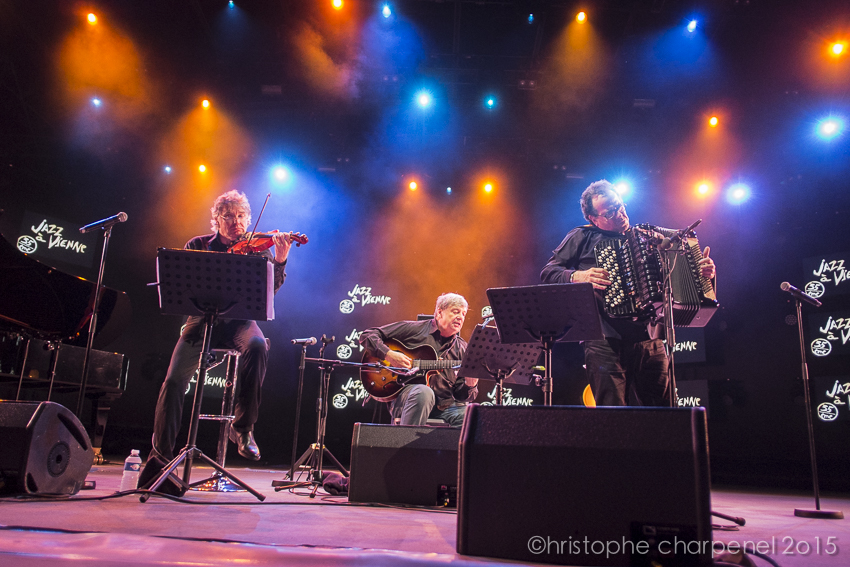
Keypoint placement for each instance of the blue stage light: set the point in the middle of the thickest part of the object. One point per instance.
(167, 169)
(386, 11)
(623, 187)
(531, 18)
(738, 193)
(95, 101)
(692, 26)
(423, 98)
(830, 128)
(448, 190)
(490, 102)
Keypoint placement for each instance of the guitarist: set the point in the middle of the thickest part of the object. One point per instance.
(446, 395)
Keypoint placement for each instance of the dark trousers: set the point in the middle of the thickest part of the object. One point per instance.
(244, 336)
(627, 373)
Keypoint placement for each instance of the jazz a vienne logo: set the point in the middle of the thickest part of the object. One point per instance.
(361, 295)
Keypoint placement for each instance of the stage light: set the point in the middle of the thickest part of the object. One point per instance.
(581, 17)
(703, 188)
(412, 186)
(448, 190)
(386, 11)
(713, 121)
(337, 4)
(738, 193)
(490, 102)
(167, 169)
(202, 168)
(838, 48)
(424, 99)
(488, 187)
(280, 173)
(205, 103)
(92, 19)
(830, 128)
(623, 187)
(231, 4)
(692, 26)
(96, 101)
(531, 18)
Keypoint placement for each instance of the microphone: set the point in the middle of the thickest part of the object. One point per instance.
(486, 312)
(105, 223)
(327, 340)
(309, 341)
(799, 294)
(668, 243)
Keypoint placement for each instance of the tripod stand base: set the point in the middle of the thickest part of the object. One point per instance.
(216, 483)
(820, 514)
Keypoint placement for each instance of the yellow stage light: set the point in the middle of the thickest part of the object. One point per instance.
(202, 168)
(205, 103)
(337, 4)
(703, 187)
(412, 186)
(488, 187)
(92, 19)
(581, 17)
(713, 121)
(838, 48)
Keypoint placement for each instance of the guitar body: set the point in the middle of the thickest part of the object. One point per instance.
(384, 385)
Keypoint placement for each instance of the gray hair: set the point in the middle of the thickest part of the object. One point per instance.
(601, 187)
(449, 300)
(232, 200)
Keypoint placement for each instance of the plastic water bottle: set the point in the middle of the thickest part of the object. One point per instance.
(132, 469)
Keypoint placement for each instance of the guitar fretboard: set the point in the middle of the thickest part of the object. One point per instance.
(435, 364)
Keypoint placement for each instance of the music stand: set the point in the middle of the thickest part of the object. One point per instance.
(197, 282)
(547, 313)
(487, 358)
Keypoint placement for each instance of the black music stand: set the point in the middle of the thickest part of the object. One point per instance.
(195, 282)
(487, 358)
(547, 313)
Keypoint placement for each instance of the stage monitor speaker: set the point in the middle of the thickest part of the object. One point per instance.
(404, 464)
(585, 486)
(44, 450)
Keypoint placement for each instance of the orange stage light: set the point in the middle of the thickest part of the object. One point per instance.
(202, 168)
(337, 4)
(713, 121)
(581, 17)
(92, 19)
(838, 48)
(205, 103)
(412, 185)
(488, 187)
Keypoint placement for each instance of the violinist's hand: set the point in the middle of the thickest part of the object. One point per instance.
(706, 265)
(596, 276)
(282, 244)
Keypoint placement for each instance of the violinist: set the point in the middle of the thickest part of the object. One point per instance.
(231, 216)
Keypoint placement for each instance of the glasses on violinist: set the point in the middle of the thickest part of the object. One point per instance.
(230, 217)
(613, 212)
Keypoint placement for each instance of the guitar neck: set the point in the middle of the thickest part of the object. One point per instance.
(435, 364)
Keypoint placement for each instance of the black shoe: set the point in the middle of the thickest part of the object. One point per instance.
(245, 444)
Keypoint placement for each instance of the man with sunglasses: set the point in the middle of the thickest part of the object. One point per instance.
(629, 366)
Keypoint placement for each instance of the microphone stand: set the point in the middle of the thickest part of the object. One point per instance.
(95, 305)
(817, 512)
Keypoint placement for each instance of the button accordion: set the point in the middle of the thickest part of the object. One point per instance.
(634, 265)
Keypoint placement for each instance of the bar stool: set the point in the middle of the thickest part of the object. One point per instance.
(218, 482)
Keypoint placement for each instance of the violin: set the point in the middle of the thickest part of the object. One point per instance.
(254, 242)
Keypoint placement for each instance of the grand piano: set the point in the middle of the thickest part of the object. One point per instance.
(44, 320)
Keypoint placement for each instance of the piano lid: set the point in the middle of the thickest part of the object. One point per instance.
(46, 303)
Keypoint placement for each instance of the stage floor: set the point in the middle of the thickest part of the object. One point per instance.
(291, 528)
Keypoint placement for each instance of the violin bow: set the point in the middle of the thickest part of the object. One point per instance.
(256, 224)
